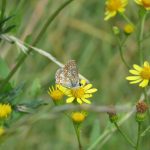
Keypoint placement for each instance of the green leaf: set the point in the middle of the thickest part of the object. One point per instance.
(95, 131)
(5, 20)
(8, 29)
(30, 107)
(4, 70)
(9, 94)
(6, 89)
(35, 88)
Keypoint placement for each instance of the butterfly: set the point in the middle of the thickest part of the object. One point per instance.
(68, 75)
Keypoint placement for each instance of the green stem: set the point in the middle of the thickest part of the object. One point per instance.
(147, 101)
(121, 52)
(77, 131)
(138, 136)
(140, 37)
(125, 136)
(126, 18)
(3, 8)
(38, 38)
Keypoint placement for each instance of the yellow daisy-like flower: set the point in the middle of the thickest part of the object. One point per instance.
(144, 3)
(78, 117)
(2, 130)
(55, 93)
(113, 7)
(5, 110)
(140, 74)
(80, 94)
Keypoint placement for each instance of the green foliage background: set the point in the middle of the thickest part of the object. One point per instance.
(79, 32)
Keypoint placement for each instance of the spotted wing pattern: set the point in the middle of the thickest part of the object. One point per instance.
(68, 75)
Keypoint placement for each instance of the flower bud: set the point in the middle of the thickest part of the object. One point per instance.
(141, 109)
(116, 30)
(78, 117)
(128, 29)
(113, 117)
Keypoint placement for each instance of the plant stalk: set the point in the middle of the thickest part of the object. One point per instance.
(140, 38)
(138, 136)
(121, 52)
(147, 101)
(77, 131)
(125, 136)
(126, 18)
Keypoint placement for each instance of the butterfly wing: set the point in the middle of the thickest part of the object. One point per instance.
(71, 71)
(68, 75)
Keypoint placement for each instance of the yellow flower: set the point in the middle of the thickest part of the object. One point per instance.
(1, 130)
(144, 3)
(5, 110)
(113, 7)
(128, 28)
(78, 117)
(55, 93)
(140, 74)
(80, 93)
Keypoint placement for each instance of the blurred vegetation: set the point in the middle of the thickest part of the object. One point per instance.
(80, 33)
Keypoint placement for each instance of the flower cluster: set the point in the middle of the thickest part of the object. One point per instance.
(76, 95)
(140, 74)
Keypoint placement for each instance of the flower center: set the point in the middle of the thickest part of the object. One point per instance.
(114, 5)
(78, 92)
(146, 3)
(145, 73)
(57, 95)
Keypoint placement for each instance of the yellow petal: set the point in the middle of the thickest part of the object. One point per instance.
(79, 100)
(146, 64)
(133, 77)
(91, 90)
(87, 95)
(65, 90)
(134, 72)
(144, 83)
(109, 15)
(86, 101)
(121, 10)
(136, 81)
(137, 67)
(70, 100)
(83, 82)
(88, 86)
(138, 2)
